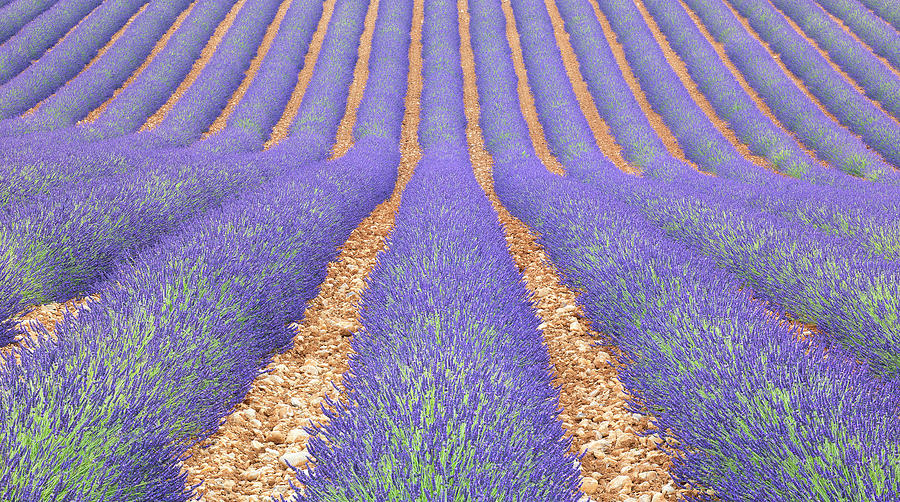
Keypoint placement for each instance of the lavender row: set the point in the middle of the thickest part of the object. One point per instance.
(133, 207)
(262, 105)
(67, 58)
(885, 9)
(101, 78)
(202, 102)
(33, 39)
(877, 129)
(179, 335)
(876, 78)
(796, 111)
(851, 293)
(757, 413)
(731, 102)
(449, 391)
(17, 13)
(176, 340)
(874, 31)
(323, 104)
(549, 82)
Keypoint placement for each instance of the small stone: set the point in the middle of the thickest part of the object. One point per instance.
(250, 475)
(668, 488)
(309, 369)
(645, 498)
(276, 437)
(658, 497)
(597, 447)
(295, 458)
(631, 499)
(250, 413)
(589, 485)
(228, 484)
(575, 326)
(648, 475)
(619, 484)
(295, 435)
(256, 423)
(626, 440)
(257, 446)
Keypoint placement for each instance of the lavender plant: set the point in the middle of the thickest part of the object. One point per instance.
(875, 127)
(796, 111)
(449, 393)
(40, 34)
(875, 77)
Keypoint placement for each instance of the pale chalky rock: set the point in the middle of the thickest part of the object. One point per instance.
(619, 484)
(295, 435)
(589, 485)
(597, 447)
(294, 458)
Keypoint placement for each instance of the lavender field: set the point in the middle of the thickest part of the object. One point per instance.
(449, 250)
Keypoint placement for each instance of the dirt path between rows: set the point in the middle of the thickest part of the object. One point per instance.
(620, 465)
(526, 100)
(243, 460)
(344, 140)
(95, 114)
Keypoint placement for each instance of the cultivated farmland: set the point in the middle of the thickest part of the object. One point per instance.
(449, 250)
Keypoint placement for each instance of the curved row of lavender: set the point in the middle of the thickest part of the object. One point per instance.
(701, 141)
(833, 281)
(250, 123)
(17, 13)
(794, 109)
(181, 331)
(857, 210)
(878, 129)
(731, 102)
(757, 414)
(205, 99)
(40, 161)
(129, 210)
(449, 391)
(886, 10)
(875, 77)
(97, 82)
(66, 58)
(880, 36)
(40, 34)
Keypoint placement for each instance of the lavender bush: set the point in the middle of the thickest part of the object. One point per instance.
(874, 31)
(875, 77)
(753, 412)
(790, 105)
(16, 13)
(450, 392)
